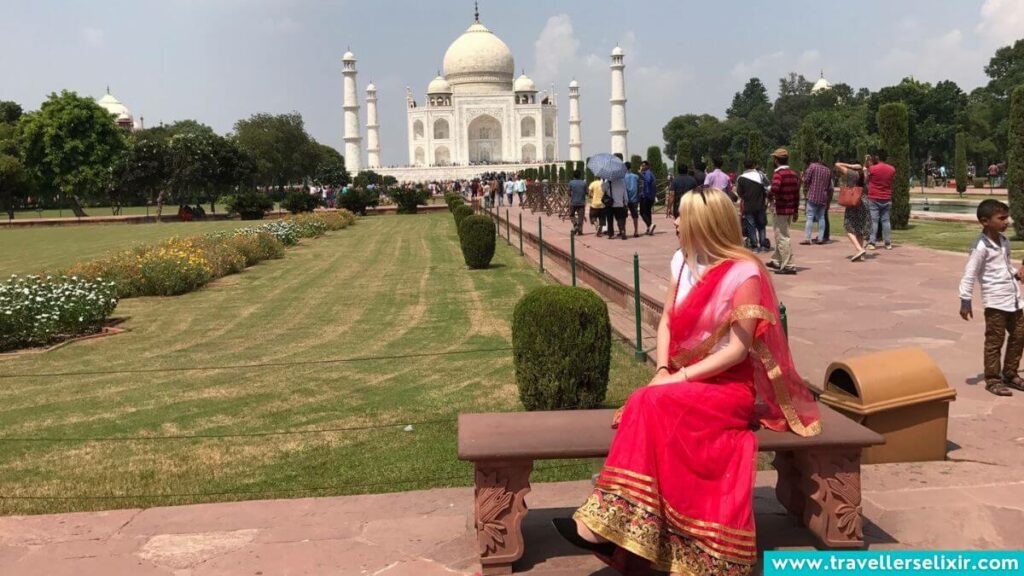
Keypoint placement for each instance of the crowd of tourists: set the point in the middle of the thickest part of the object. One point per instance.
(612, 202)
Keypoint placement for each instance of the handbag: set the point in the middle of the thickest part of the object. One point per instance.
(850, 196)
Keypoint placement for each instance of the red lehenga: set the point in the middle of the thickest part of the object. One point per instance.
(676, 491)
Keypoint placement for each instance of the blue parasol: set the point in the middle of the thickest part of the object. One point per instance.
(607, 166)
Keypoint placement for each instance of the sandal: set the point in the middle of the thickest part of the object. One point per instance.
(999, 389)
(1014, 382)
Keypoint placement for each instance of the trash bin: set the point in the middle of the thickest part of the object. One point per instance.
(901, 394)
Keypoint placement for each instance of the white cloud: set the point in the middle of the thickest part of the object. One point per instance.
(555, 51)
(1002, 22)
(759, 65)
(935, 59)
(92, 36)
(281, 26)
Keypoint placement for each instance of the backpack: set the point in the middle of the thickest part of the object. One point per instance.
(607, 199)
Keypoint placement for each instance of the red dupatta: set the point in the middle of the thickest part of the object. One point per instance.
(736, 290)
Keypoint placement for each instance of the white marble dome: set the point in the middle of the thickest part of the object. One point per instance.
(371, 87)
(820, 85)
(479, 61)
(524, 84)
(439, 86)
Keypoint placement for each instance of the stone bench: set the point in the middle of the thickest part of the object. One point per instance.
(818, 477)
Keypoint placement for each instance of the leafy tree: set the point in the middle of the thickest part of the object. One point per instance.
(282, 150)
(1006, 69)
(141, 171)
(793, 103)
(367, 177)
(192, 165)
(634, 162)
(893, 133)
(1015, 156)
(752, 105)
(960, 165)
(10, 112)
(70, 145)
(330, 168)
(755, 151)
(15, 183)
(808, 142)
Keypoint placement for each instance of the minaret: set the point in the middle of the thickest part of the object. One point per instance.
(372, 128)
(353, 140)
(619, 130)
(575, 137)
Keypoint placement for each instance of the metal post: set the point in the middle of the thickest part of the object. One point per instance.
(540, 243)
(784, 319)
(640, 355)
(572, 255)
(508, 228)
(520, 233)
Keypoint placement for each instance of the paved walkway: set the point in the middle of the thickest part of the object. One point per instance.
(906, 297)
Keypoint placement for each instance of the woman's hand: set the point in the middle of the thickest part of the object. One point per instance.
(663, 377)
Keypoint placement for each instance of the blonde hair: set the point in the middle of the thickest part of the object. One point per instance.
(709, 230)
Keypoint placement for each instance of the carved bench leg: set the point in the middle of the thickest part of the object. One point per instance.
(501, 487)
(830, 480)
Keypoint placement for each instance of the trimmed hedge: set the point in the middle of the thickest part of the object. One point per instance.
(894, 137)
(477, 239)
(1015, 160)
(461, 211)
(561, 347)
(960, 162)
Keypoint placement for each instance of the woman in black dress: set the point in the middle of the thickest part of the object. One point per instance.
(856, 220)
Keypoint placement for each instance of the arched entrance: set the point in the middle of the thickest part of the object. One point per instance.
(485, 140)
(529, 153)
(442, 157)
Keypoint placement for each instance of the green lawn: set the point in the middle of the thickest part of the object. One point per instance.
(49, 248)
(102, 211)
(380, 292)
(950, 236)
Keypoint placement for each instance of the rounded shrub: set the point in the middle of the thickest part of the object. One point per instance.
(561, 347)
(477, 238)
(461, 212)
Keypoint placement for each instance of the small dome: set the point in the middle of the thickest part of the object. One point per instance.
(574, 84)
(617, 51)
(820, 85)
(371, 88)
(114, 106)
(439, 86)
(478, 58)
(524, 84)
(348, 57)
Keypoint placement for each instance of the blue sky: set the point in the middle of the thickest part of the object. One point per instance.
(220, 60)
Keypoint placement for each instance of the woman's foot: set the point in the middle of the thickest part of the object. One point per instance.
(573, 532)
(858, 256)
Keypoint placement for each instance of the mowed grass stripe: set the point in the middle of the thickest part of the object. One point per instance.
(391, 285)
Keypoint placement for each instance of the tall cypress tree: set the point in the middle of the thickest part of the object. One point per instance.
(893, 135)
(634, 162)
(960, 162)
(755, 150)
(1015, 159)
(684, 151)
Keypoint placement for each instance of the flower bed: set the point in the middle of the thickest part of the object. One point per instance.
(35, 311)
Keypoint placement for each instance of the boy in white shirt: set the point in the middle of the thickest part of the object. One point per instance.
(989, 265)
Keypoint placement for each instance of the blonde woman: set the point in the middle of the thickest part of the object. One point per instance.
(857, 220)
(676, 491)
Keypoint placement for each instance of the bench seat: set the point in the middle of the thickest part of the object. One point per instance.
(818, 477)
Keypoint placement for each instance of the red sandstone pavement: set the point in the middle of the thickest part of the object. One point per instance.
(906, 297)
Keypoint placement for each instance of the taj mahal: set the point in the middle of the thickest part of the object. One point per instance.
(476, 115)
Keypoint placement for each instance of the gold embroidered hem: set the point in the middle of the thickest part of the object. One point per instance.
(641, 531)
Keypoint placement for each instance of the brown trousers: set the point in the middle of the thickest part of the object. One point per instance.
(1000, 325)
